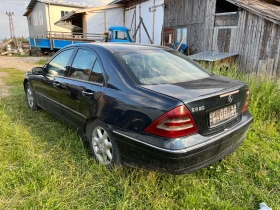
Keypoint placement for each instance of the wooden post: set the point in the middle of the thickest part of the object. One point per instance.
(140, 23)
(138, 28)
(105, 21)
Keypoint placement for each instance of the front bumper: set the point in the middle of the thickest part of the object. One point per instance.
(181, 155)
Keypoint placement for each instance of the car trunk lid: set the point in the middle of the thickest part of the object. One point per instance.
(215, 103)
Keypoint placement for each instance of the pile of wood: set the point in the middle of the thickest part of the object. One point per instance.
(10, 47)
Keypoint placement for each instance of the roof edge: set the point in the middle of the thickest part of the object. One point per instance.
(265, 10)
(32, 3)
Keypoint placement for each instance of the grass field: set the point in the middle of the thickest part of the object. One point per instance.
(45, 165)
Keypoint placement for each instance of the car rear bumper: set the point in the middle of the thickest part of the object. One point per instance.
(197, 151)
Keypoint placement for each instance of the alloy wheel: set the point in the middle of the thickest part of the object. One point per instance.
(30, 98)
(102, 145)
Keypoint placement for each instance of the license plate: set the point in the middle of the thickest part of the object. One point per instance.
(221, 115)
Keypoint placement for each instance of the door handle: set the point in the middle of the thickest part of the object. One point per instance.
(87, 93)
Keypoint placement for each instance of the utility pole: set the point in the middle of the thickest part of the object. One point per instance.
(12, 29)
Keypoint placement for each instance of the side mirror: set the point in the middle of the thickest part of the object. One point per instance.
(38, 70)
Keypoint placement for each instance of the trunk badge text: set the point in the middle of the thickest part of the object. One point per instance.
(196, 109)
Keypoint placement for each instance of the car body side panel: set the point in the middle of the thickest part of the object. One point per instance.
(134, 110)
(78, 107)
(47, 92)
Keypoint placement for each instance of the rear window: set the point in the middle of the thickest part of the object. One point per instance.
(150, 67)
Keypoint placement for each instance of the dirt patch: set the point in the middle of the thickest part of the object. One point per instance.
(21, 63)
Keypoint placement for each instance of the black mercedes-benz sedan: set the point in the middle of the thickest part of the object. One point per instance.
(142, 105)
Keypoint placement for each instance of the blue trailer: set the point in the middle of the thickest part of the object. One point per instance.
(52, 43)
(58, 40)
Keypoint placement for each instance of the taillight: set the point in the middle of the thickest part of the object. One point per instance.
(245, 107)
(176, 123)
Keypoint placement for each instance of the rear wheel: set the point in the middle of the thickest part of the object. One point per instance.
(31, 101)
(102, 144)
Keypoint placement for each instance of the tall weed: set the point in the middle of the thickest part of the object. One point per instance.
(264, 96)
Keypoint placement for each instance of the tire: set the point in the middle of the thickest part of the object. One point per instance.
(31, 101)
(102, 145)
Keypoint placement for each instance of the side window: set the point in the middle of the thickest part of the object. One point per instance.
(121, 35)
(58, 65)
(82, 64)
(97, 73)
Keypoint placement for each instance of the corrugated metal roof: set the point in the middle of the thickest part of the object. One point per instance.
(211, 56)
(266, 10)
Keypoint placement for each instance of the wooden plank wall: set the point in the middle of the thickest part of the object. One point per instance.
(258, 44)
(197, 16)
(225, 39)
(256, 39)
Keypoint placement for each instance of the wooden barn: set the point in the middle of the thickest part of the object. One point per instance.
(250, 28)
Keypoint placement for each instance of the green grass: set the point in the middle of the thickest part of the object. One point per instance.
(45, 165)
(42, 62)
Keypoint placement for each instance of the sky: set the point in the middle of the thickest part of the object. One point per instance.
(18, 7)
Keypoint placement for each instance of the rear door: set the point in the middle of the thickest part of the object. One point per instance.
(48, 87)
(83, 88)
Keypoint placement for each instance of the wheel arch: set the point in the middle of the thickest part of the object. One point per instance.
(87, 125)
(24, 83)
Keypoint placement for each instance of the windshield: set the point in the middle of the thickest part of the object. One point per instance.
(150, 67)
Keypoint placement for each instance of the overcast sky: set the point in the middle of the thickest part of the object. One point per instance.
(20, 22)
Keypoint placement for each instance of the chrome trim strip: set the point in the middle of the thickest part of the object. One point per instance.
(227, 94)
(84, 81)
(213, 139)
(48, 98)
(59, 104)
(72, 110)
(150, 145)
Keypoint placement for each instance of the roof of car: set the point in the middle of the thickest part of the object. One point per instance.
(116, 28)
(116, 47)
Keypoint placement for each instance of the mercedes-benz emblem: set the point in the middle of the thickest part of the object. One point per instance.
(230, 98)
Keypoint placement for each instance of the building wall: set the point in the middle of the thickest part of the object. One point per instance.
(152, 18)
(256, 39)
(258, 44)
(37, 21)
(195, 17)
(55, 14)
(99, 22)
(43, 19)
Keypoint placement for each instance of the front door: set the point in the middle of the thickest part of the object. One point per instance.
(49, 87)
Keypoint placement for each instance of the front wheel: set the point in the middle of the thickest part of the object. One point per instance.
(103, 145)
(31, 101)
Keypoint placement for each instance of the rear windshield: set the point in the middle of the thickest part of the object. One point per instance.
(150, 67)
